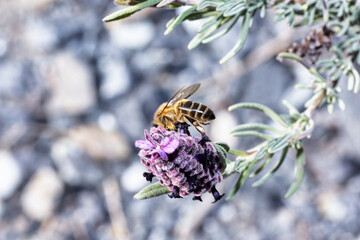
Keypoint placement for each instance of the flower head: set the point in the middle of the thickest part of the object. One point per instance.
(183, 163)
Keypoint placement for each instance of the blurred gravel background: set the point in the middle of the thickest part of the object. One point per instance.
(76, 93)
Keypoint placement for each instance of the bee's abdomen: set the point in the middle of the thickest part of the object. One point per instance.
(196, 110)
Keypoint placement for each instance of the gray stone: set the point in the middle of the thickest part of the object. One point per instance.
(100, 144)
(132, 179)
(71, 85)
(3, 47)
(132, 35)
(39, 36)
(10, 174)
(74, 166)
(115, 77)
(10, 78)
(41, 194)
(331, 207)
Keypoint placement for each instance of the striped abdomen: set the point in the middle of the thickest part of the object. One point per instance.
(196, 111)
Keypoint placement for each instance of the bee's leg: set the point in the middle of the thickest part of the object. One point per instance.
(148, 176)
(216, 194)
(204, 138)
(183, 127)
(197, 198)
(175, 193)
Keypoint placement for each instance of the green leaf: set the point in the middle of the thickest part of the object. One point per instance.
(357, 80)
(261, 153)
(292, 109)
(263, 11)
(222, 152)
(126, 12)
(209, 3)
(179, 19)
(196, 41)
(240, 181)
(224, 145)
(255, 126)
(229, 168)
(345, 27)
(273, 170)
(278, 144)
(223, 32)
(299, 172)
(262, 166)
(200, 15)
(292, 56)
(152, 190)
(240, 43)
(270, 113)
(238, 153)
(251, 134)
(209, 23)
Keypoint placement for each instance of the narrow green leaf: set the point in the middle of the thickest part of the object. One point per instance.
(313, 99)
(274, 116)
(179, 19)
(357, 80)
(279, 143)
(200, 15)
(251, 134)
(263, 11)
(230, 168)
(262, 166)
(196, 41)
(123, 13)
(241, 41)
(222, 155)
(345, 27)
(299, 172)
(209, 3)
(238, 153)
(209, 23)
(273, 170)
(223, 32)
(240, 181)
(255, 126)
(292, 109)
(223, 145)
(170, 22)
(261, 153)
(290, 56)
(351, 81)
(152, 190)
(312, 16)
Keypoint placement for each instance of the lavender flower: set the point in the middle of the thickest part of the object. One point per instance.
(183, 163)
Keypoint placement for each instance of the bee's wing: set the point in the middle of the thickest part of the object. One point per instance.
(184, 93)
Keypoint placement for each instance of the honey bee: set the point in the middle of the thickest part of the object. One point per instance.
(180, 110)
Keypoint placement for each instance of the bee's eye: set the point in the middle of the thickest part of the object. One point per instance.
(163, 120)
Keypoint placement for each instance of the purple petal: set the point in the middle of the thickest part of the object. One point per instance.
(159, 152)
(163, 154)
(149, 138)
(169, 145)
(143, 144)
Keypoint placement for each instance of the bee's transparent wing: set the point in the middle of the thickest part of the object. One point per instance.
(184, 93)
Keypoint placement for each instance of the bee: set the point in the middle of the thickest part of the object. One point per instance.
(180, 110)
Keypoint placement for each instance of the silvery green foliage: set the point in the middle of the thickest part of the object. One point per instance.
(330, 53)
